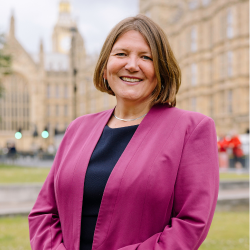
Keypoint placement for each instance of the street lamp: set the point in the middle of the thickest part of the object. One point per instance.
(18, 134)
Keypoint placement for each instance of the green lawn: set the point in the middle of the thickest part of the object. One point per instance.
(229, 231)
(15, 174)
(14, 233)
(234, 176)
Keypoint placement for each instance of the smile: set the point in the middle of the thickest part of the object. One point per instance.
(126, 79)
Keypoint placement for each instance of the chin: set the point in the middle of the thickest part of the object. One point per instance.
(131, 96)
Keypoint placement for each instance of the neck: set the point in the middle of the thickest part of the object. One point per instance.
(131, 110)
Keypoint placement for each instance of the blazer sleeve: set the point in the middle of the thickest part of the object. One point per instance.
(195, 194)
(44, 221)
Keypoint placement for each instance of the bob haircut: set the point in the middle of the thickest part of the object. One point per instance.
(167, 71)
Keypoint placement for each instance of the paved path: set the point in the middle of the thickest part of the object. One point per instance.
(14, 201)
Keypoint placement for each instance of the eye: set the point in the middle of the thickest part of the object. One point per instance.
(147, 58)
(120, 54)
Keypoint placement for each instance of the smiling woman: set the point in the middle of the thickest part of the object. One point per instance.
(130, 70)
(143, 175)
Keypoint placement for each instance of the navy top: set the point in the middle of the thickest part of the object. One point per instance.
(108, 150)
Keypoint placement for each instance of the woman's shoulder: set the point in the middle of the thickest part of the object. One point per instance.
(188, 121)
(193, 115)
(184, 116)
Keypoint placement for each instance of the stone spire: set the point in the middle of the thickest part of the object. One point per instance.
(12, 25)
(41, 54)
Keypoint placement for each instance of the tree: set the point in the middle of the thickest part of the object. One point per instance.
(5, 62)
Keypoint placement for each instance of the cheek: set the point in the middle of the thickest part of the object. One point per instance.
(113, 66)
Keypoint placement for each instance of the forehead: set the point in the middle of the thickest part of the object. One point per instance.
(131, 39)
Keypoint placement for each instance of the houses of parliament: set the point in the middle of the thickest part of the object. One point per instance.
(46, 91)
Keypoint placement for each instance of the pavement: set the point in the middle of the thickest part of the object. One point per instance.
(27, 161)
(19, 199)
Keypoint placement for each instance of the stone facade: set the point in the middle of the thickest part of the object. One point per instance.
(210, 39)
(48, 90)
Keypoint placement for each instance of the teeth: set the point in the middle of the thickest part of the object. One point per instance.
(130, 79)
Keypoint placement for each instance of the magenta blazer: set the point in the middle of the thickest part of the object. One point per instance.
(160, 195)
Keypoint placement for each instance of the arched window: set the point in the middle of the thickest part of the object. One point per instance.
(229, 63)
(193, 74)
(193, 39)
(15, 103)
(229, 24)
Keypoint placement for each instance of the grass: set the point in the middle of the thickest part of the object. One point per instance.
(229, 231)
(14, 174)
(234, 176)
(14, 233)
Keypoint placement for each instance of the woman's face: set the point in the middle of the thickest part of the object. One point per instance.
(130, 70)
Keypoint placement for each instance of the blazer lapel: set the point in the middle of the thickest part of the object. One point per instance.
(87, 149)
(111, 191)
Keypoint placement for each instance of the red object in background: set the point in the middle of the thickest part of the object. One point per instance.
(235, 144)
(223, 144)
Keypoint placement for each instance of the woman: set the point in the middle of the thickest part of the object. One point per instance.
(143, 175)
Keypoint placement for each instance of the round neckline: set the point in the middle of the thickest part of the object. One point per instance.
(122, 127)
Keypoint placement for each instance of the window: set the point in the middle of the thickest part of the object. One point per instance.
(229, 63)
(230, 101)
(211, 34)
(193, 39)
(57, 110)
(222, 65)
(222, 102)
(229, 24)
(193, 74)
(65, 91)
(48, 91)
(57, 91)
(65, 110)
(222, 25)
(193, 4)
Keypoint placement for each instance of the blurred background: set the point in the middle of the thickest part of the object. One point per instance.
(48, 52)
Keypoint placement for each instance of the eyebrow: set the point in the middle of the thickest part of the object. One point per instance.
(126, 50)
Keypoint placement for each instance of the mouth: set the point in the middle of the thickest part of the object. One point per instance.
(130, 79)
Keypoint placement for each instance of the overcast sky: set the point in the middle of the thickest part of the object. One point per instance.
(35, 19)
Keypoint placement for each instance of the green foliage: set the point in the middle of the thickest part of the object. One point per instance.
(15, 174)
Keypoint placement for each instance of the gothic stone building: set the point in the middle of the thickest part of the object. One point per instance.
(210, 39)
(48, 90)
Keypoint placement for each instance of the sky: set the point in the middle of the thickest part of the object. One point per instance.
(35, 19)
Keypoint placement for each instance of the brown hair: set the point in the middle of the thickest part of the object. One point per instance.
(167, 71)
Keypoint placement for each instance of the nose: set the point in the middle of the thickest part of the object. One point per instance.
(132, 64)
